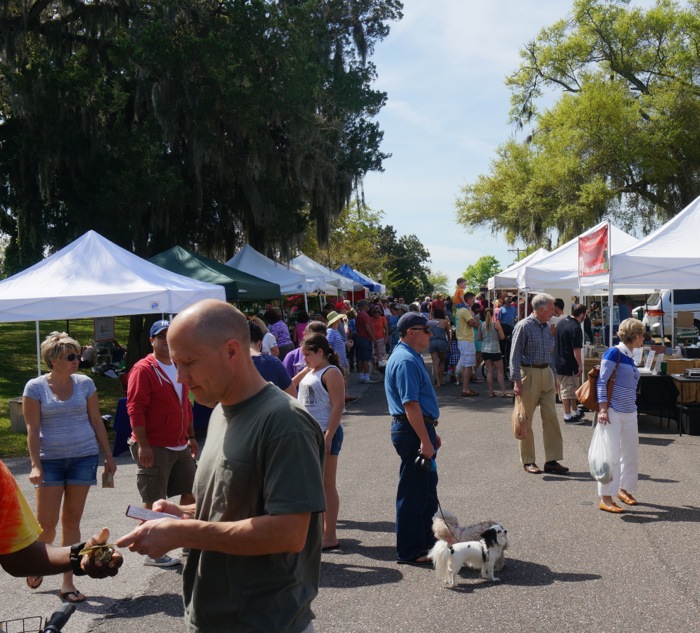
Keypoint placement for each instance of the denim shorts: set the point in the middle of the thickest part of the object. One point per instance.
(75, 471)
(337, 441)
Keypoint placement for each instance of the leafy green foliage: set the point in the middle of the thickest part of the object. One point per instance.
(621, 142)
(479, 272)
(192, 122)
(438, 282)
(357, 238)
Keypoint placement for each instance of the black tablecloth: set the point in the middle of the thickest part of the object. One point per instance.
(657, 395)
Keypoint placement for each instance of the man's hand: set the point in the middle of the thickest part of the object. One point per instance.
(153, 538)
(145, 455)
(194, 447)
(100, 562)
(518, 387)
(427, 450)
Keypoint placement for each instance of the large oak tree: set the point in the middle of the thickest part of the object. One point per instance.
(196, 122)
(620, 142)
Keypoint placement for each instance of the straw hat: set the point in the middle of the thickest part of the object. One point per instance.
(333, 317)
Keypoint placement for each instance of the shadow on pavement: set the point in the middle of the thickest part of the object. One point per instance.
(650, 513)
(528, 574)
(342, 575)
(367, 526)
(350, 546)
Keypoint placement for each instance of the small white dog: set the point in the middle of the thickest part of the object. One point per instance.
(482, 554)
(446, 527)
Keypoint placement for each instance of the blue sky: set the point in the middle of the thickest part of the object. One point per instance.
(443, 67)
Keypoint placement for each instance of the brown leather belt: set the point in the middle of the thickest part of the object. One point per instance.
(426, 418)
(533, 365)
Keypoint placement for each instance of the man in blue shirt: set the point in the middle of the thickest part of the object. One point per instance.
(414, 410)
(506, 314)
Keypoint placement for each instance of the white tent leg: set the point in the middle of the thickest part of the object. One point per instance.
(673, 321)
(38, 351)
(610, 316)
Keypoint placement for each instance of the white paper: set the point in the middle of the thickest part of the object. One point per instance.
(650, 360)
(657, 364)
(637, 355)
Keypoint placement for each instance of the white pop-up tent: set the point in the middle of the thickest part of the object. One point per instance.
(92, 277)
(311, 267)
(560, 269)
(508, 278)
(666, 258)
(290, 280)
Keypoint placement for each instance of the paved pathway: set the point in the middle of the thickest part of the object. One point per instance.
(570, 567)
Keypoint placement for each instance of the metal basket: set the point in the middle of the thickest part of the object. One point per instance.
(22, 625)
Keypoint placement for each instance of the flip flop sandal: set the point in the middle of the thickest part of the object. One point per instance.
(492, 395)
(34, 582)
(73, 597)
(469, 394)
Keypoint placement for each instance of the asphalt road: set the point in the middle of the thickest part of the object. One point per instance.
(569, 567)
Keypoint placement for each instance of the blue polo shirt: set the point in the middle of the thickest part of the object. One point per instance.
(406, 380)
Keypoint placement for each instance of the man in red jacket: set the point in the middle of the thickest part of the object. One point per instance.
(162, 440)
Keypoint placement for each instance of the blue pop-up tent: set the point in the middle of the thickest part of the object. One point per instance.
(373, 286)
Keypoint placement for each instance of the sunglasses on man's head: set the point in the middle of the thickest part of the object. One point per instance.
(420, 329)
(71, 357)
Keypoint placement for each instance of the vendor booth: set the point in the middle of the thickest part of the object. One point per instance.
(357, 276)
(311, 267)
(92, 277)
(239, 285)
(508, 278)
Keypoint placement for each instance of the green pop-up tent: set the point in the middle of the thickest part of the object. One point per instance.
(239, 286)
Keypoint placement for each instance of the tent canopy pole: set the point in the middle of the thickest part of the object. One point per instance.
(38, 351)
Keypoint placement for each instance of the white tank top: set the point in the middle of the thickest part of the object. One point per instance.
(314, 396)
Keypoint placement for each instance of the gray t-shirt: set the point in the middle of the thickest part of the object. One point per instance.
(262, 456)
(64, 427)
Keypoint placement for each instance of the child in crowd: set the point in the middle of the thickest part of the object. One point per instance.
(458, 297)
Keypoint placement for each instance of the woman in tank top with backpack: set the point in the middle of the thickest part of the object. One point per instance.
(322, 391)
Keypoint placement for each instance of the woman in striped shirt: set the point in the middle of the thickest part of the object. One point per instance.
(620, 416)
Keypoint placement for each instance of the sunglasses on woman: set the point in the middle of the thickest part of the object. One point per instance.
(71, 357)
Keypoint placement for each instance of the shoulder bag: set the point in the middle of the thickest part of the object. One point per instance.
(586, 393)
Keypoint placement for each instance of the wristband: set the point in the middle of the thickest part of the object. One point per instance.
(75, 558)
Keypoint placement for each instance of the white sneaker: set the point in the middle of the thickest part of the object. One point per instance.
(163, 561)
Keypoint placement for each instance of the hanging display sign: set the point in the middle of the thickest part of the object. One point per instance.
(593, 253)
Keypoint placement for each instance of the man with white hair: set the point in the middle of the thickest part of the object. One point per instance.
(534, 380)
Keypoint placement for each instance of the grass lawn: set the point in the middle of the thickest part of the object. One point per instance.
(18, 351)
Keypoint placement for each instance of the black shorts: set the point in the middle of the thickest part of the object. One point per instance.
(494, 357)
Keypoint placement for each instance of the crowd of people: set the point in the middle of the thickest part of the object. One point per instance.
(261, 499)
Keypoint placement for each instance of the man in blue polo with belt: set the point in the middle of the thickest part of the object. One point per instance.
(414, 410)
(534, 379)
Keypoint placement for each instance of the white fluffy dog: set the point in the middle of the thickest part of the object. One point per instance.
(446, 527)
(482, 554)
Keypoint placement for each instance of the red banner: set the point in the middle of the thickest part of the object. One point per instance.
(593, 253)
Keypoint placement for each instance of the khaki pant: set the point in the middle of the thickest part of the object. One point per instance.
(538, 390)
